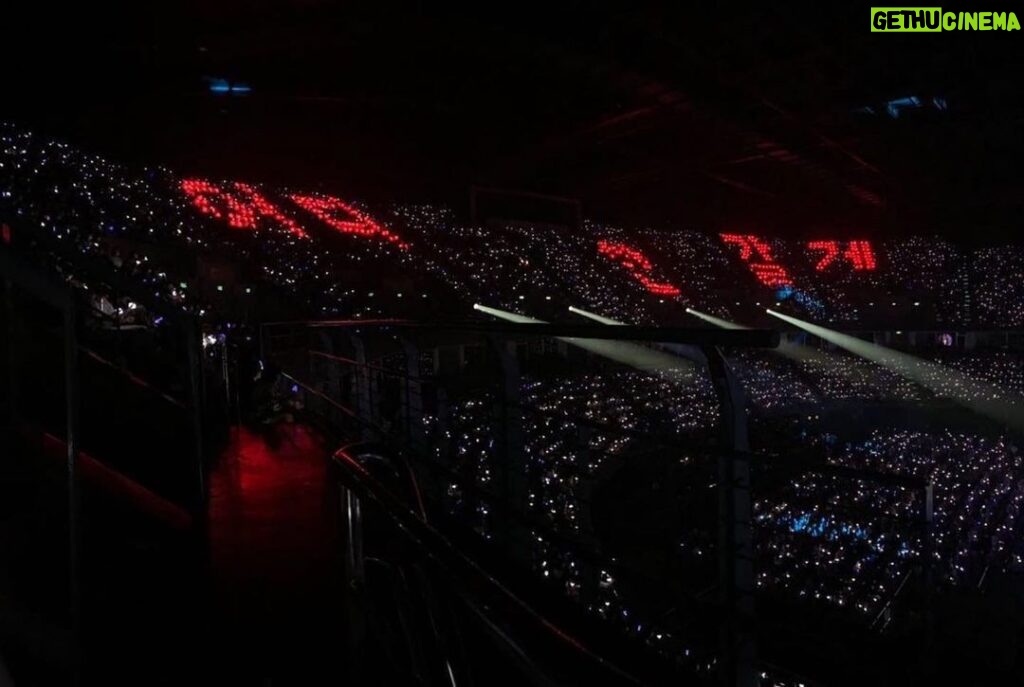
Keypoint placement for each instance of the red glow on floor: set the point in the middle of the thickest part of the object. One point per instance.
(274, 547)
(345, 218)
(259, 466)
(758, 255)
(637, 264)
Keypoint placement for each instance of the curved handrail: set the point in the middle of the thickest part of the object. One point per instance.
(450, 558)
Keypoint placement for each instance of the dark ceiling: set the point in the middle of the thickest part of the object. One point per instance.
(700, 118)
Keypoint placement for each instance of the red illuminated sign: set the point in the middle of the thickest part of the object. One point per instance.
(241, 207)
(637, 264)
(758, 256)
(858, 253)
(341, 216)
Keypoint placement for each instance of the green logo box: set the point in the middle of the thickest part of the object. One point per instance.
(906, 19)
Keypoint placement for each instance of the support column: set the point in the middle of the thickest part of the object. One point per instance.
(735, 529)
(412, 394)
(927, 523)
(510, 468)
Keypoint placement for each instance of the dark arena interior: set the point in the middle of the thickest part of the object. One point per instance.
(386, 344)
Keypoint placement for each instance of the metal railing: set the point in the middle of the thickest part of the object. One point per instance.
(53, 356)
(406, 387)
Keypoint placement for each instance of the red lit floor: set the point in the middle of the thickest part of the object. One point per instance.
(274, 558)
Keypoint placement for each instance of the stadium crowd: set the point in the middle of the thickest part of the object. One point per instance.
(370, 262)
(846, 532)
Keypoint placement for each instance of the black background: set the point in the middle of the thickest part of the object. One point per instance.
(710, 118)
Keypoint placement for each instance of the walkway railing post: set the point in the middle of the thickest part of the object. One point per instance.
(11, 318)
(194, 358)
(354, 582)
(362, 383)
(332, 381)
(72, 408)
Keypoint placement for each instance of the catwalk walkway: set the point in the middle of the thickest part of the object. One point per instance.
(274, 559)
